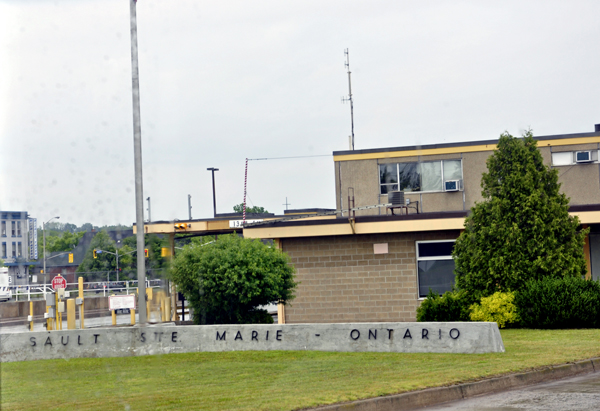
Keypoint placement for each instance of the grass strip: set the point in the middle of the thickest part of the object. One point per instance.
(270, 380)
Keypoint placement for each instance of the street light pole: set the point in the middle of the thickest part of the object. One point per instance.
(214, 196)
(44, 236)
(137, 145)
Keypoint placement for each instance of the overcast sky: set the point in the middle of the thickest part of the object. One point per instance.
(222, 81)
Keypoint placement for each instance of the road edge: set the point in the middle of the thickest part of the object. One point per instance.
(434, 396)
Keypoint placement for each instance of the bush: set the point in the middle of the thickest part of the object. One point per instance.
(227, 281)
(451, 306)
(498, 308)
(559, 303)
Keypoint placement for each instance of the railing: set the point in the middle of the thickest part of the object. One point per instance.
(36, 292)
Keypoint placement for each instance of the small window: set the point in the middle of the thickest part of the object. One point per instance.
(562, 159)
(18, 229)
(4, 229)
(3, 250)
(435, 266)
(19, 249)
(13, 228)
(14, 249)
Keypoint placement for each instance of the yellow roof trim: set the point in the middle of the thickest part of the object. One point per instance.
(458, 149)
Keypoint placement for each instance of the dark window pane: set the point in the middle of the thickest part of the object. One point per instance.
(389, 187)
(388, 173)
(409, 177)
(435, 249)
(437, 275)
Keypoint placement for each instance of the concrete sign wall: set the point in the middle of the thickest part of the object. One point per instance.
(469, 338)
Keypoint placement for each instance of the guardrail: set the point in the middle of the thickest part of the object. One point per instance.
(37, 292)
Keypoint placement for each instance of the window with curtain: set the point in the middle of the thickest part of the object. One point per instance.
(428, 176)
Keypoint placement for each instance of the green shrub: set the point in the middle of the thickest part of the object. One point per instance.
(451, 306)
(498, 308)
(559, 303)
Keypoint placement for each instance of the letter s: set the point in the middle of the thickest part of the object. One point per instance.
(33, 343)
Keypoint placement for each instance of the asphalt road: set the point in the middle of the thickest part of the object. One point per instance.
(571, 394)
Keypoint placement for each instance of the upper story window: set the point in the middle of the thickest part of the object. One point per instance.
(14, 249)
(3, 250)
(19, 249)
(567, 158)
(425, 176)
(13, 227)
(4, 229)
(18, 229)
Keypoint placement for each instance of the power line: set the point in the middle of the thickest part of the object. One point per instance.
(282, 158)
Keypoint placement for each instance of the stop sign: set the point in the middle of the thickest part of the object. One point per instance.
(59, 282)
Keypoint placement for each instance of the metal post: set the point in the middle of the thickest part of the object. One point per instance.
(190, 205)
(149, 215)
(137, 144)
(214, 195)
(44, 236)
(117, 253)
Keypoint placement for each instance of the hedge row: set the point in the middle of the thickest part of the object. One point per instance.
(569, 302)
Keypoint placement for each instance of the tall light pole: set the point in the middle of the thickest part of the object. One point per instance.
(44, 235)
(137, 153)
(214, 196)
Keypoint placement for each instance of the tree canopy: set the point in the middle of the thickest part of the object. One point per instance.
(226, 281)
(239, 208)
(522, 230)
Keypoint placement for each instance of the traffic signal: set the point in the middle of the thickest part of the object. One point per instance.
(181, 226)
(165, 252)
(70, 257)
(146, 252)
(95, 254)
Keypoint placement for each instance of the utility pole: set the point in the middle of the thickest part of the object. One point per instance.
(286, 204)
(137, 153)
(190, 205)
(149, 218)
(214, 195)
(344, 99)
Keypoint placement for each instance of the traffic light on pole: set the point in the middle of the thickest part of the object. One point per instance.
(70, 257)
(146, 252)
(95, 254)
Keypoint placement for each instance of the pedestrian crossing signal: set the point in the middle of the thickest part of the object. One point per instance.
(146, 252)
(95, 254)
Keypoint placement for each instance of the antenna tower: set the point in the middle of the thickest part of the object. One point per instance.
(344, 99)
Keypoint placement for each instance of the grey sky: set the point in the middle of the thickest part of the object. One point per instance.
(222, 81)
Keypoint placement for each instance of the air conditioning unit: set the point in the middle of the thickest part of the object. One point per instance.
(453, 185)
(586, 156)
(396, 198)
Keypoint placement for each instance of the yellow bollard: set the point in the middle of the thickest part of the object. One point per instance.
(56, 311)
(81, 307)
(71, 314)
(114, 317)
(31, 313)
(132, 317)
(167, 308)
(48, 321)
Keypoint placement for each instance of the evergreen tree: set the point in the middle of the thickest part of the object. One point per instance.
(522, 230)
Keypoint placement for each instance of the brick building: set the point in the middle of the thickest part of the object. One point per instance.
(370, 265)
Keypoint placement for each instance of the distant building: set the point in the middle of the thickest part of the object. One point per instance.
(15, 250)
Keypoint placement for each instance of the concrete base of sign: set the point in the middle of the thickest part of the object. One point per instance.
(463, 338)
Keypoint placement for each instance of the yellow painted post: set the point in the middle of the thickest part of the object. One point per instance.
(81, 307)
(132, 317)
(56, 311)
(31, 313)
(167, 308)
(114, 317)
(49, 320)
(71, 314)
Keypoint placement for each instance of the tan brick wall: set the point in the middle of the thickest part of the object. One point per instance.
(342, 280)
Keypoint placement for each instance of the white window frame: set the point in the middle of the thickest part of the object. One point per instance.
(420, 162)
(436, 258)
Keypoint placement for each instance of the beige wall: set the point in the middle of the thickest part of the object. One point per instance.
(580, 182)
(342, 280)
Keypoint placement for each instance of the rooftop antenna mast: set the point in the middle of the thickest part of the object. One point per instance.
(344, 99)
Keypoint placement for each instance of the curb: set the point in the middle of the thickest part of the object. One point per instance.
(434, 396)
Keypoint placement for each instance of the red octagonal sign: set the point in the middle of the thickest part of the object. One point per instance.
(59, 282)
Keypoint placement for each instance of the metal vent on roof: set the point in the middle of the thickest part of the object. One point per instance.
(396, 198)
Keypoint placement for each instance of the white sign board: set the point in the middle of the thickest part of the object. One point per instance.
(119, 302)
(240, 223)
